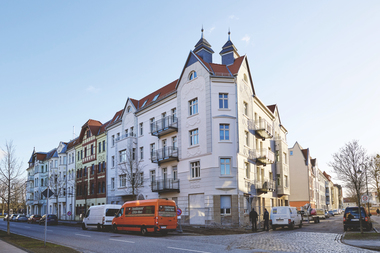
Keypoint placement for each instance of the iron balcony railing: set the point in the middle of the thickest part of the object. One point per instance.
(165, 154)
(266, 185)
(165, 185)
(265, 156)
(263, 130)
(163, 126)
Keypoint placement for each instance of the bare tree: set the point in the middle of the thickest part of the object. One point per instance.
(374, 174)
(131, 171)
(348, 164)
(58, 184)
(10, 173)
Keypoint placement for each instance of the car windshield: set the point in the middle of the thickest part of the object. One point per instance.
(52, 216)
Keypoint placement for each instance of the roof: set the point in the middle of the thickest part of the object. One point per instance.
(102, 129)
(203, 43)
(72, 143)
(228, 47)
(162, 93)
(305, 153)
(313, 161)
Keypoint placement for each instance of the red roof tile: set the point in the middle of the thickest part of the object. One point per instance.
(163, 92)
(220, 70)
(234, 68)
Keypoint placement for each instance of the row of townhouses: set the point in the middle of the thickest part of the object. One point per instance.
(205, 140)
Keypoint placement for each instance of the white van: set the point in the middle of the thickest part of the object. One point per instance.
(285, 216)
(100, 216)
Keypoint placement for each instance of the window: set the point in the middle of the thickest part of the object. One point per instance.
(174, 142)
(225, 165)
(88, 134)
(291, 152)
(286, 181)
(104, 145)
(224, 130)
(192, 75)
(195, 169)
(126, 132)
(194, 137)
(113, 161)
(133, 153)
(223, 101)
(85, 152)
(151, 124)
(113, 140)
(141, 153)
(285, 158)
(92, 188)
(92, 149)
(144, 103)
(78, 156)
(99, 167)
(112, 183)
(152, 149)
(152, 176)
(131, 132)
(225, 205)
(246, 138)
(174, 114)
(122, 156)
(123, 180)
(92, 170)
(247, 170)
(141, 129)
(118, 137)
(245, 108)
(155, 97)
(193, 106)
(128, 109)
(245, 78)
(81, 154)
(104, 166)
(100, 147)
(175, 173)
(99, 187)
(103, 187)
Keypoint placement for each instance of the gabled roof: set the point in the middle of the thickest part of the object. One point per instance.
(72, 143)
(102, 129)
(313, 161)
(305, 153)
(93, 125)
(116, 118)
(327, 176)
(40, 156)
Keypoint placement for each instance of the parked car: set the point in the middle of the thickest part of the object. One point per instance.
(12, 217)
(34, 218)
(335, 211)
(331, 213)
(100, 217)
(327, 214)
(6, 217)
(351, 218)
(21, 217)
(285, 216)
(52, 219)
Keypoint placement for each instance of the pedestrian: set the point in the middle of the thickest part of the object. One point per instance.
(253, 219)
(378, 211)
(266, 219)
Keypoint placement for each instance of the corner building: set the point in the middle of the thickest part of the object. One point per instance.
(206, 141)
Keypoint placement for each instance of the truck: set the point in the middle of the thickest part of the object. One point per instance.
(311, 214)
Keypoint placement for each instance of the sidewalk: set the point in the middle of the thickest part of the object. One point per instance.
(368, 244)
(9, 248)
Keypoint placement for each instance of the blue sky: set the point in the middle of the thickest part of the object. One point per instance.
(64, 62)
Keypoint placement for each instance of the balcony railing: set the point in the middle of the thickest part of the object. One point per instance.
(165, 185)
(263, 129)
(265, 156)
(164, 126)
(165, 154)
(266, 185)
(30, 178)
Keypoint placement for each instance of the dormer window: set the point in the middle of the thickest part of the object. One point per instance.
(193, 75)
(155, 97)
(144, 103)
(88, 134)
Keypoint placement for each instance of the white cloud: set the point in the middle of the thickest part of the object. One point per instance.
(212, 29)
(92, 89)
(233, 17)
(246, 38)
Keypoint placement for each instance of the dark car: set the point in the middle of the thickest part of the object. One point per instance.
(21, 217)
(351, 218)
(34, 218)
(52, 219)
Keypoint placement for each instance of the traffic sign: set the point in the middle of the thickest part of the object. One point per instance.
(69, 213)
(365, 198)
(179, 212)
(45, 193)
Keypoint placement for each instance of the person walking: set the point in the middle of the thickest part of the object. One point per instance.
(266, 219)
(253, 219)
(378, 211)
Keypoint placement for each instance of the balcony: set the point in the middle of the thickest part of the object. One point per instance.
(165, 154)
(165, 185)
(265, 156)
(263, 129)
(264, 186)
(164, 126)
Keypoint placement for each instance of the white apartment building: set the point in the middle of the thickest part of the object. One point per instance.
(205, 140)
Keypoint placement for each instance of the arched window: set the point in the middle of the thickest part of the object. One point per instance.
(193, 75)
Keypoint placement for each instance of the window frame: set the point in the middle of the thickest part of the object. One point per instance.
(194, 137)
(223, 164)
(193, 106)
(195, 169)
(222, 128)
(223, 100)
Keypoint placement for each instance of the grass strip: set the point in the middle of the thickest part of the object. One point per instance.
(34, 245)
(364, 236)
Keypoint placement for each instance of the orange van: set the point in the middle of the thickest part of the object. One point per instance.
(152, 215)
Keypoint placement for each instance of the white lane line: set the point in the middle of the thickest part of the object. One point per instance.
(121, 240)
(83, 235)
(189, 250)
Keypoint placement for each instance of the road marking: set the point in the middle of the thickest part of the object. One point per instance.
(83, 235)
(121, 240)
(188, 250)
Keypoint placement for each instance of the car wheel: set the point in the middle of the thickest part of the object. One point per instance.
(99, 228)
(144, 231)
(300, 225)
(114, 228)
(291, 226)
(274, 228)
(84, 226)
(345, 228)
